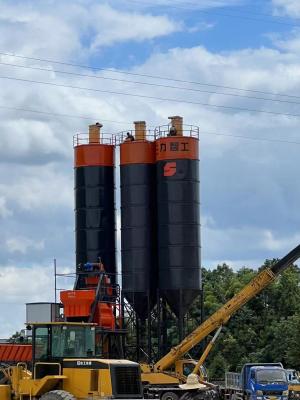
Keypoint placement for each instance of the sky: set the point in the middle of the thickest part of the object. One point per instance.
(231, 67)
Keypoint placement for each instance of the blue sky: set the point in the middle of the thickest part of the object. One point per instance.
(250, 188)
(219, 29)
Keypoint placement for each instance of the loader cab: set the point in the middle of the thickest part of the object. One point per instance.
(64, 361)
(60, 340)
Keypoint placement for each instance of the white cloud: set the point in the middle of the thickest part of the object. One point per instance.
(19, 286)
(202, 26)
(23, 245)
(273, 243)
(39, 188)
(120, 26)
(30, 138)
(70, 26)
(289, 43)
(245, 240)
(290, 8)
(4, 210)
(190, 4)
(21, 25)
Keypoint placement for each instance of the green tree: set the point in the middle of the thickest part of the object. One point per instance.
(264, 330)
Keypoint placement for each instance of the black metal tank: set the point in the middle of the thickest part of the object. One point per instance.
(94, 204)
(138, 224)
(178, 203)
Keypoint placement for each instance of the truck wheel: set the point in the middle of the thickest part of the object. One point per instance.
(169, 396)
(58, 395)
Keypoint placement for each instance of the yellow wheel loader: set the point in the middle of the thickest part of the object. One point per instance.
(64, 367)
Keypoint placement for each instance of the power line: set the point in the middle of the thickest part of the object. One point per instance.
(52, 114)
(249, 10)
(117, 71)
(152, 97)
(194, 6)
(250, 138)
(219, 14)
(129, 123)
(150, 84)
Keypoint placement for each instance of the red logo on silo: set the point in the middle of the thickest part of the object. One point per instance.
(170, 168)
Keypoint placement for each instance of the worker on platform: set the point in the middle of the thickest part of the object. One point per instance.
(129, 137)
(172, 131)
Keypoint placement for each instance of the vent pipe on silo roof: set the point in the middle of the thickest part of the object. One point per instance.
(94, 133)
(140, 130)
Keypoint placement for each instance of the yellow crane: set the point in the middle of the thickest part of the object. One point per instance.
(163, 373)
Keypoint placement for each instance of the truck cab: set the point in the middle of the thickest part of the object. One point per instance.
(265, 382)
(257, 382)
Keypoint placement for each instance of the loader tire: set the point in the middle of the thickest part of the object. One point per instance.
(58, 395)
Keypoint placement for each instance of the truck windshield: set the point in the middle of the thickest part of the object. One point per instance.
(73, 341)
(271, 376)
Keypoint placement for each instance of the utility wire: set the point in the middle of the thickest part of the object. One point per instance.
(219, 14)
(52, 114)
(249, 137)
(218, 106)
(150, 84)
(194, 6)
(117, 71)
(249, 10)
(261, 139)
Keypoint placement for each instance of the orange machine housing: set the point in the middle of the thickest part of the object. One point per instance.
(77, 303)
(10, 352)
(104, 316)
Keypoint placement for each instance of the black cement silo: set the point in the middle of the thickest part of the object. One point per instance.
(178, 205)
(94, 204)
(138, 224)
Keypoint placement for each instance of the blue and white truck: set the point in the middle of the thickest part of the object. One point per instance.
(257, 382)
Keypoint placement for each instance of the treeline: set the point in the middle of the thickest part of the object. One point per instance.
(267, 329)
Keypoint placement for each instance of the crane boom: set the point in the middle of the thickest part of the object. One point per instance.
(221, 316)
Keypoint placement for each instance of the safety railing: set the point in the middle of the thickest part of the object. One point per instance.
(130, 135)
(84, 138)
(187, 131)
